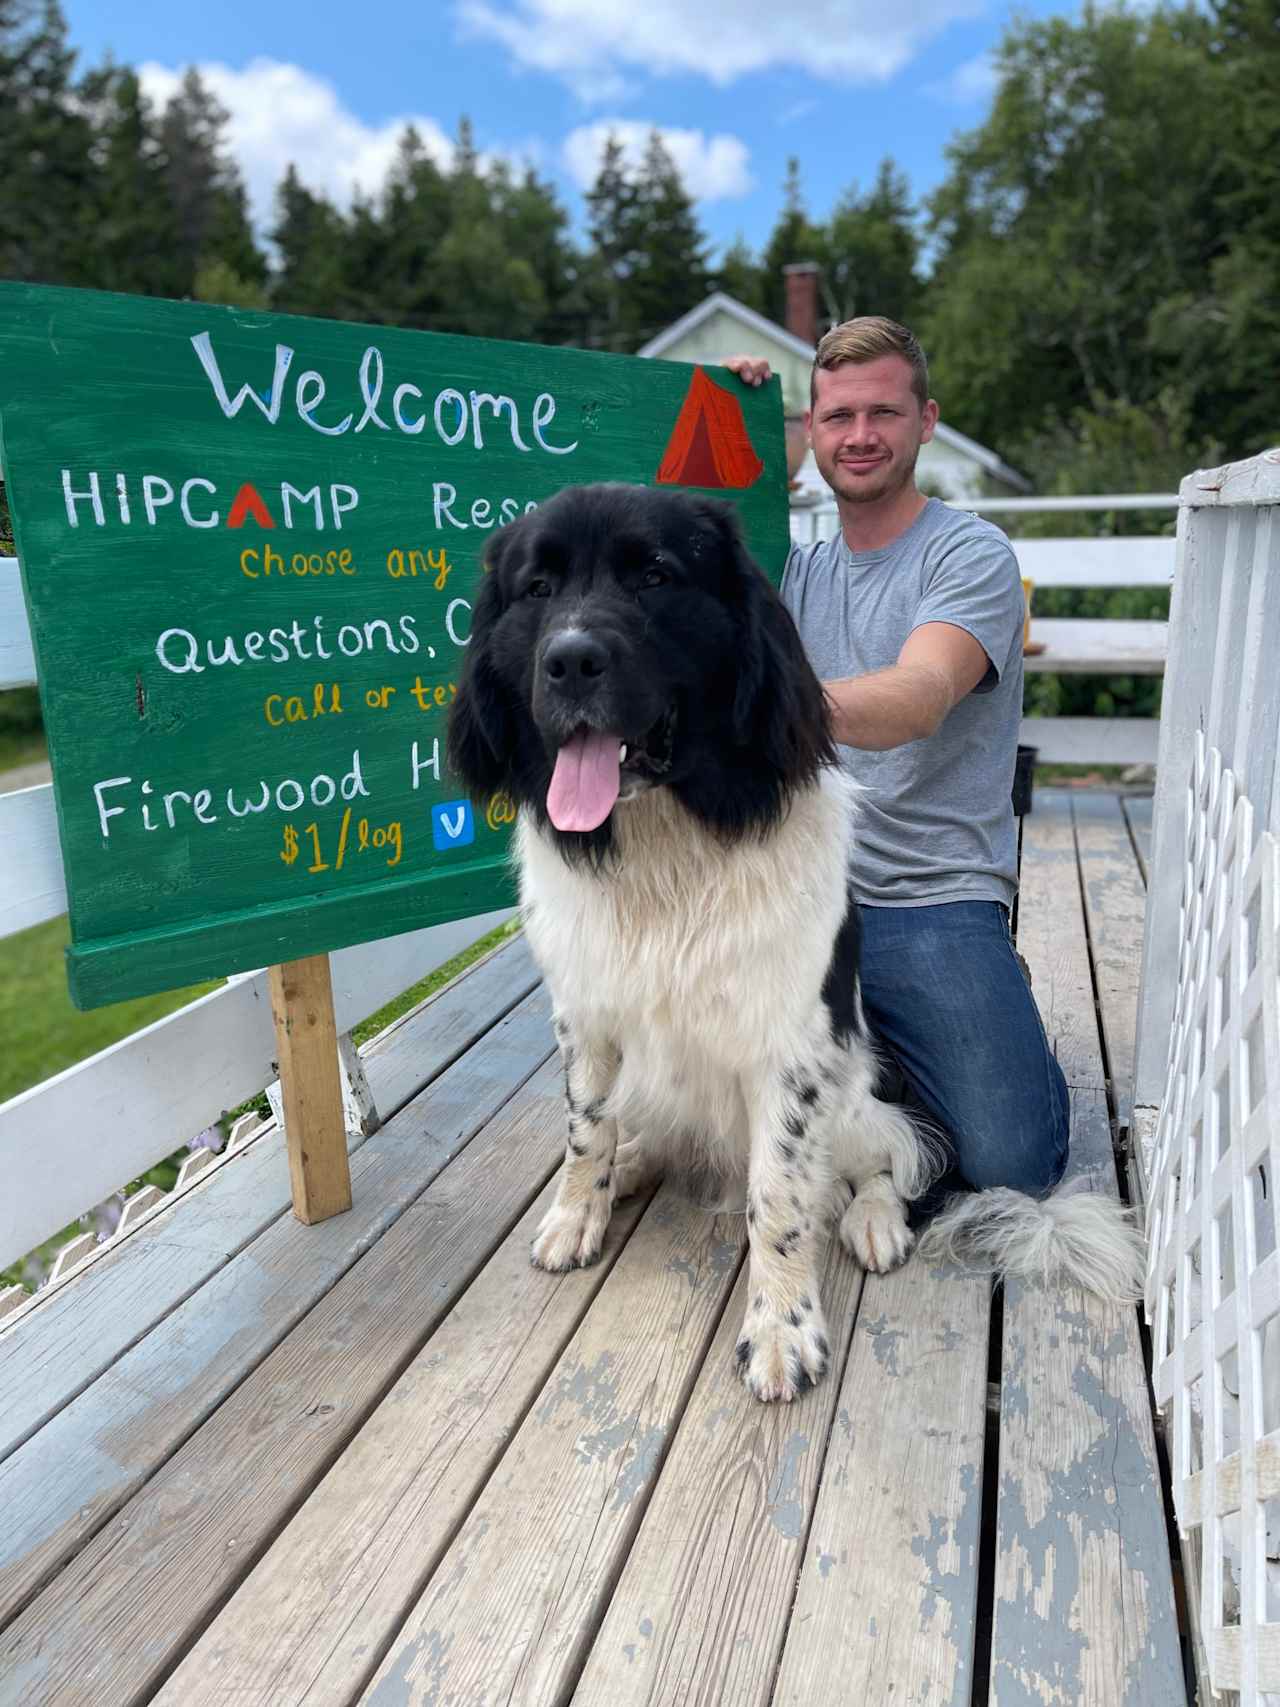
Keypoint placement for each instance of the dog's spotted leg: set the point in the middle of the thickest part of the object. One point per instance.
(885, 1158)
(573, 1229)
(783, 1349)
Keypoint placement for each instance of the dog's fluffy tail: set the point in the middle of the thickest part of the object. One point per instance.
(1075, 1235)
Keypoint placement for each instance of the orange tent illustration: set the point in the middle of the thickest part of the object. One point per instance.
(709, 445)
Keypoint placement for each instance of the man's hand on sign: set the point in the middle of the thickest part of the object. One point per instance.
(751, 370)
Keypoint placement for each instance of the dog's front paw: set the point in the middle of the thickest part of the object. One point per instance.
(572, 1237)
(874, 1231)
(782, 1356)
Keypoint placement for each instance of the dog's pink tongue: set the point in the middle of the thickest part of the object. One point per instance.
(585, 783)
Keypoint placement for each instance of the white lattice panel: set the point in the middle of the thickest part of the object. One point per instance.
(1213, 1282)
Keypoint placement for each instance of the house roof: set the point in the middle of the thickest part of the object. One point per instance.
(721, 303)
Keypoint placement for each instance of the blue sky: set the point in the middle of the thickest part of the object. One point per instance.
(736, 86)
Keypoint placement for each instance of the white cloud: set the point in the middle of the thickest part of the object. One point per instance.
(972, 83)
(282, 114)
(591, 43)
(712, 168)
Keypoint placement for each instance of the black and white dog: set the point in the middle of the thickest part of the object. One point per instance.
(684, 840)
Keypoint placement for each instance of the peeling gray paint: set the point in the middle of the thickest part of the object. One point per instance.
(594, 1391)
(1107, 1492)
(954, 1589)
(646, 1627)
(825, 1562)
(724, 1256)
(1014, 1399)
(682, 1265)
(884, 1342)
(641, 1467)
(397, 1687)
(783, 1499)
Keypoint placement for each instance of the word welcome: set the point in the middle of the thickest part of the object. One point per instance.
(454, 415)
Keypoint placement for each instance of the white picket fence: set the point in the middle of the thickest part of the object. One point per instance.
(1206, 1094)
(1094, 647)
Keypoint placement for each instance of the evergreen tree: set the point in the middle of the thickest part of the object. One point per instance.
(870, 252)
(308, 236)
(407, 287)
(794, 238)
(612, 226)
(740, 277)
(46, 170)
(668, 274)
(205, 187)
(135, 229)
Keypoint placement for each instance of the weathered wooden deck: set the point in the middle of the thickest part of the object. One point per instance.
(383, 1459)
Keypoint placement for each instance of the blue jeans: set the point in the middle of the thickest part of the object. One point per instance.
(952, 1011)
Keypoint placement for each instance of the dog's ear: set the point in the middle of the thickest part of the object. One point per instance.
(482, 732)
(779, 707)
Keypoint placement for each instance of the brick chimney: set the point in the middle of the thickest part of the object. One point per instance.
(801, 280)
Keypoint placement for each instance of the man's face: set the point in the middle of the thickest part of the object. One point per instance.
(867, 428)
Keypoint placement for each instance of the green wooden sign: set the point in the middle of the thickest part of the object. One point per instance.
(249, 544)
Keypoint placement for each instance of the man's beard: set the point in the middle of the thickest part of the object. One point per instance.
(861, 489)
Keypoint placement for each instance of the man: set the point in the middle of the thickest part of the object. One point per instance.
(912, 616)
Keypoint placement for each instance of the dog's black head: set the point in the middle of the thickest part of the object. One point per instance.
(623, 640)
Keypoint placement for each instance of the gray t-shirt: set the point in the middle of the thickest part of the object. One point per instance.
(935, 820)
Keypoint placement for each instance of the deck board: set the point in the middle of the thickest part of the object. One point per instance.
(382, 1459)
(550, 1532)
(1138, 810)
(306, 1625)
(63, 1343)
(701, 1609)
(62, 1485)
(886, 1602)
(206, 1516)
(1115, 908)
(1083, 1586)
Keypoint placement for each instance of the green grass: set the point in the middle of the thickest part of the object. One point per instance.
(1108, 775)
(22, 748)
(43, 1033)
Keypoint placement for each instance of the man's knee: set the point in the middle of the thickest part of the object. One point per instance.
(1024, 1146)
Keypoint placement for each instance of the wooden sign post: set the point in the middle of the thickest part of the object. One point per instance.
(311, 1087)
(249, 544)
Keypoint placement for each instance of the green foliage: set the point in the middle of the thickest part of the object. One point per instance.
(46, 165)
(794, 238)
(20, 712)
(870, 252)
(218, 281)
(1088, 244)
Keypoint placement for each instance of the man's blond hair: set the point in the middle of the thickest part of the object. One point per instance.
(866, 339)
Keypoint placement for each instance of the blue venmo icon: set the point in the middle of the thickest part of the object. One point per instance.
(452, 825)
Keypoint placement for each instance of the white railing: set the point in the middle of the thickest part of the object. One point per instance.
(1206, 1094)
(1094, 648)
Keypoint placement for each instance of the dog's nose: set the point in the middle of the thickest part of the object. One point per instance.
(574, 663)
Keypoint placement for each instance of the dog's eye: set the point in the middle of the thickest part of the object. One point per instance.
(654, 577)
(538, 590)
